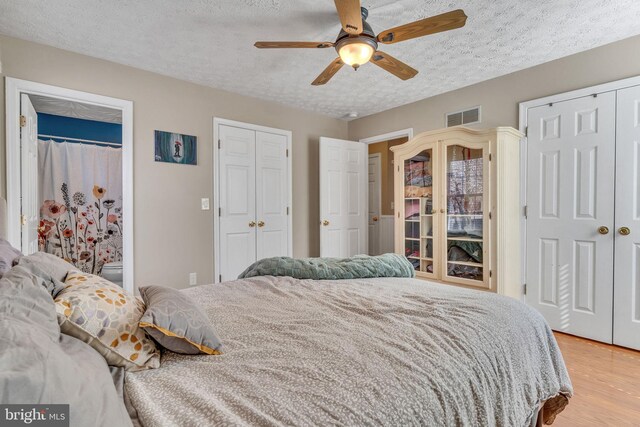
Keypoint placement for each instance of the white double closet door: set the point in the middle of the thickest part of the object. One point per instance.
(254, 191)
(583, 223)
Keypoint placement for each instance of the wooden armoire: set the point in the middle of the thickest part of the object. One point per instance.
(457, 203)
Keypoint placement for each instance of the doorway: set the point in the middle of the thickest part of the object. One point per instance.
(375, 194)
(381, 189)
(69, 168)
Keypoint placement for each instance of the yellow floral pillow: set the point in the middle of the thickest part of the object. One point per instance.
(106, 317)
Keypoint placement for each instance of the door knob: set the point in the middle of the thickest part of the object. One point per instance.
(252, 224)
(325, 222)
(603, 229)
(625, 231)
(260, 223)
(375, 219)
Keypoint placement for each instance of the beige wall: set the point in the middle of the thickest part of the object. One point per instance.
(500, 97)
(173, 237)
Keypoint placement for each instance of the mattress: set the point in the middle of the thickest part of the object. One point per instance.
(357, 352)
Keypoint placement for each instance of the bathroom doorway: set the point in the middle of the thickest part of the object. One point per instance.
(69, 186)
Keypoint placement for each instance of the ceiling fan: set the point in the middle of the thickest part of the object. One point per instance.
(357, 44)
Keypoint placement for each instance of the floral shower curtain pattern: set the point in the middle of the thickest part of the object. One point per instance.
(81, 212)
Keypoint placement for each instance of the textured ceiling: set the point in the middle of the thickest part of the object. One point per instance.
(77, 110)
(211, 42)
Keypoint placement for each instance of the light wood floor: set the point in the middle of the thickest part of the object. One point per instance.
(606, 384)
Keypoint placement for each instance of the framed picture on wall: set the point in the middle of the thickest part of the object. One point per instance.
(176, 148)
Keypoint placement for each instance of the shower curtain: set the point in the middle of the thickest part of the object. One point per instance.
(80, 188)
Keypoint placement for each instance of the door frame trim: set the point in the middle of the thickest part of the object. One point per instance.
(13, 89)
(523, 108)
(388, 136)
(217, 121)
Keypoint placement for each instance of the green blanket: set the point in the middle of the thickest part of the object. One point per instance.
(357, 267)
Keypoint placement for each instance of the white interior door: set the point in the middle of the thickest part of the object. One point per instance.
(29, 176)
(570, 196)
(626, 321)
(374, 204)
(237, 192)
(272, 195)
(343, 198)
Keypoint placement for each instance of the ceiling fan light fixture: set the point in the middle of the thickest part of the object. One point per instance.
(357, 44)
(356, 51)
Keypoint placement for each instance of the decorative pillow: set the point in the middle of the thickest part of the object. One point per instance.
(7, 255)
(55, 266)
(176, 322)
(106, 317)
(39, 365)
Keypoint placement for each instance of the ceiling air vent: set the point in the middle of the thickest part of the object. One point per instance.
(466, 117)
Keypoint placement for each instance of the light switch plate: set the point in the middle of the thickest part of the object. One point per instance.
(205, 204)
(193, 279)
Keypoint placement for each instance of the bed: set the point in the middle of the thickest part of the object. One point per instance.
(386, 351)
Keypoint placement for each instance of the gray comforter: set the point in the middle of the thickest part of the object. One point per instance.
(356, 267)
(357, 352)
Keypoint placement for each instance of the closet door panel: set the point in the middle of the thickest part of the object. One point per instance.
(272, 195)
(626, 330)
(570, 187)
(237, 200)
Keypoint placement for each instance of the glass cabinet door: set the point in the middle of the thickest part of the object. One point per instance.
(464, 228)
(418, 211)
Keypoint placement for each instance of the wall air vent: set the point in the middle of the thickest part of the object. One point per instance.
(465, 117)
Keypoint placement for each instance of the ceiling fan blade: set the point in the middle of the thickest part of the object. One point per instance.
(350, 16)
(279, 45)
(435, 24)
(392, 65)
(328, 72)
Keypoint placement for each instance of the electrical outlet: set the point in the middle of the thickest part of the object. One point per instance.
(205, 204)
(193, 279)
